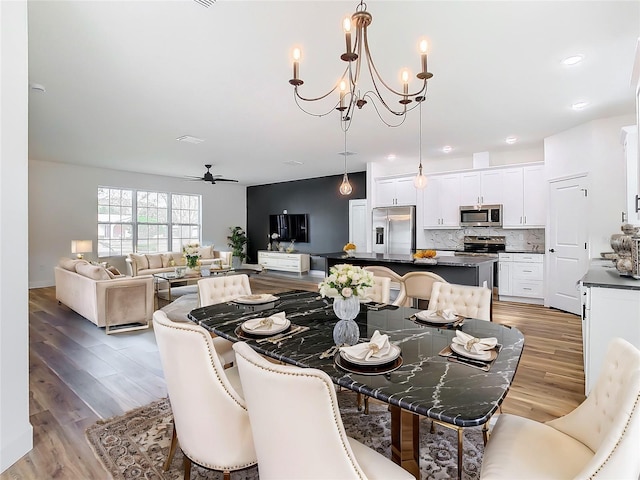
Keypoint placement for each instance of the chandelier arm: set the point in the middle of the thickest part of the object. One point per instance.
(373, 69)
(372, 96)
(295, 97)
(295, 90)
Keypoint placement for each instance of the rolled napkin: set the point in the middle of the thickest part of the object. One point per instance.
(277, 319)
(378, 347)
(473, 344)
(447, 314)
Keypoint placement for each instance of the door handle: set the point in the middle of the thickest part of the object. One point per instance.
(551, 250)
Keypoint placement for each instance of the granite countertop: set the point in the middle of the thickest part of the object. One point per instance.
(604, 275)
(448, 260)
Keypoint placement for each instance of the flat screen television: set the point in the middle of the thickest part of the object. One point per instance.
(290, 227)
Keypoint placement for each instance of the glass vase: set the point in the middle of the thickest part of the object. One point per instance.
(346, 331)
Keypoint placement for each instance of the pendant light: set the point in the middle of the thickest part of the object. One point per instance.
(345, 186)
(421, 180)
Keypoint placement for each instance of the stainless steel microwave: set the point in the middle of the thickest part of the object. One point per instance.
(481, 216)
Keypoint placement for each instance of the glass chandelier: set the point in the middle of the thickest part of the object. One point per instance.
(350, 96)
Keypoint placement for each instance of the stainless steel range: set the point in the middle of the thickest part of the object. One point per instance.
(483, 245)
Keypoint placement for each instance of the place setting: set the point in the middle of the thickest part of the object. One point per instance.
(441, 318)
(255, 299)
(471, 351)
(375, 357)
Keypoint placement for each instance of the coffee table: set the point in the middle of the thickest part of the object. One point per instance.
(171, 278)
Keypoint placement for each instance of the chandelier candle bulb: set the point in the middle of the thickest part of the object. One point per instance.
(296, 63)
(423, 56)
(346, 24)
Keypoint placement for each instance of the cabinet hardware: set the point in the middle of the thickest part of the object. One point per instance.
(624, 217)
(637, 203)
(552, 250)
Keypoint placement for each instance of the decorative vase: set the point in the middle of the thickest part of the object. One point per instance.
(193, 270)
(346, 330)
(236, 262)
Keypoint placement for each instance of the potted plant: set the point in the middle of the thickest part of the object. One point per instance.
(237, 242)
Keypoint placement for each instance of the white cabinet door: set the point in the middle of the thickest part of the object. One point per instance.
(491, 182)
(450, 200)
(534, 204)
(470, 188)
(385, 192)
(504, 277)
(431, 203)
(513, 198)
(405, 191)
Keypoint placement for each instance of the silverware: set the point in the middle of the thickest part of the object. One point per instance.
(291, 333)
(330, 352)
(470, 363)
(276, 337)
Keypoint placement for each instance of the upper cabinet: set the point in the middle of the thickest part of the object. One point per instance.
(630, 143)
(395, 191)
(524, 197)
(484, 187)
(441, 201)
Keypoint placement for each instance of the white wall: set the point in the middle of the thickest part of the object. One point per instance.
(63, 207)
(16, 435)
(595, 148)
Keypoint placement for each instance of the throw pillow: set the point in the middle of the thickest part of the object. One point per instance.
(70, 263)
(93, 272)
(179, 259)
(114, 271)
(155, 260)
(206, 251)
(166, 260)
(141, 260)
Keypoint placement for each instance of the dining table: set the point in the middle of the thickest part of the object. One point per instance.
(426, 380)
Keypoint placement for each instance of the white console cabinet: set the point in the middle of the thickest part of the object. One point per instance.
(521, 277)
(285, 262)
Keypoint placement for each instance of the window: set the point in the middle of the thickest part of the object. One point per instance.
(161, 219)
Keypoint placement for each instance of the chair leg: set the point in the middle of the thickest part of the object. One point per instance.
(359, 398)
(187, 467)
(433, 428)
(460, 452)
(172, 448)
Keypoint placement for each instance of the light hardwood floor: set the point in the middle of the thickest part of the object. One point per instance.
(79, 375)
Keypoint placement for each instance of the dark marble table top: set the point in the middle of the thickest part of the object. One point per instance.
(426, 383)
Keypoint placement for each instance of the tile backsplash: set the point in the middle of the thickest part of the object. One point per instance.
(528, 240)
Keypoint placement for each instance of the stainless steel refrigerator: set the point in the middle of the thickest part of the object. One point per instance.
(394, 230)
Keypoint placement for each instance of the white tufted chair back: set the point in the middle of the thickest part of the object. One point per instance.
(396, 281)
(381, 290)
(465, 300)
(222, 288)
(418, 285)
(297, 427)
(210, 415)
(608, 421)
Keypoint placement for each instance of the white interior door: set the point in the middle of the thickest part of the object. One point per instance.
(358, 224)
(567, 243)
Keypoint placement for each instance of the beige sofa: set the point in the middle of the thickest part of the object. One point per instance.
(150, 263)
(109, 300)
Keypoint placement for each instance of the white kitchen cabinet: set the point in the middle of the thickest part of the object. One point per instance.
(395, 191)
(630, 143)
(524, 197)
(521, 277)
(482, 187)
(282, 261)
(607, 312)
(441, 202)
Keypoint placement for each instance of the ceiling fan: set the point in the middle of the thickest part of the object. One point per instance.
(209, 177)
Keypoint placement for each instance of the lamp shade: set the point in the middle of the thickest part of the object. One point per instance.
(81, 246)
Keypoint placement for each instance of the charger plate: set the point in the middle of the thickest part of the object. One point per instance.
(367, 370)
(394, 352)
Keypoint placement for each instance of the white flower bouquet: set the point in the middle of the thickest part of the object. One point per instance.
(191, 253)
(346, 280)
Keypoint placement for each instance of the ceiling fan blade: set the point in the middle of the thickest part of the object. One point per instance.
(224, 180)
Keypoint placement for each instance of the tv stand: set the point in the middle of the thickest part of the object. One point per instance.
(283, 261)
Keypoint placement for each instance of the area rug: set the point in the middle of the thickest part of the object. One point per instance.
(135, 445)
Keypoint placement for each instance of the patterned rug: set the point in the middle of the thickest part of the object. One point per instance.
(135, 445)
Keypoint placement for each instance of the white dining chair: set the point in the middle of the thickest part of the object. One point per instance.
(396, 281)
(297, 428)
(418, 286)
(380, 292)
(211, 423)
(599, 439)
(465, 300)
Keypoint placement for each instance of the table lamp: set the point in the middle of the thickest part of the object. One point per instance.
(80, 247)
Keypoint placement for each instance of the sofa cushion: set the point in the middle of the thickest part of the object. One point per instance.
(141, 261)
(93, 272)
(206, 251)
(70, 263)
(179, 259)
(113, 272)
(155, 260)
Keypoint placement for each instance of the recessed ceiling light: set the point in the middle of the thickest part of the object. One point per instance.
(293, 163)
(511, 140)
(579, 105)
(190, 139)
(391, 157)
(447, 149)
(573, 60)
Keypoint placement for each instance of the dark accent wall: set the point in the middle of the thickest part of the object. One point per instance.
(319, 197)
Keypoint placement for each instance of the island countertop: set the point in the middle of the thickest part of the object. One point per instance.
(604, 275)
(460, 269)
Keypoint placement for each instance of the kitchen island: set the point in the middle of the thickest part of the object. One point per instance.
(460, 269)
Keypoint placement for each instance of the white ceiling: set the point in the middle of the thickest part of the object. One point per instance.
(124, 79)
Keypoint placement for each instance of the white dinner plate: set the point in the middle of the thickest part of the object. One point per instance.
(256, 299)
(394, 352)
(425, 316)
(460, 350)
(264, 330)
